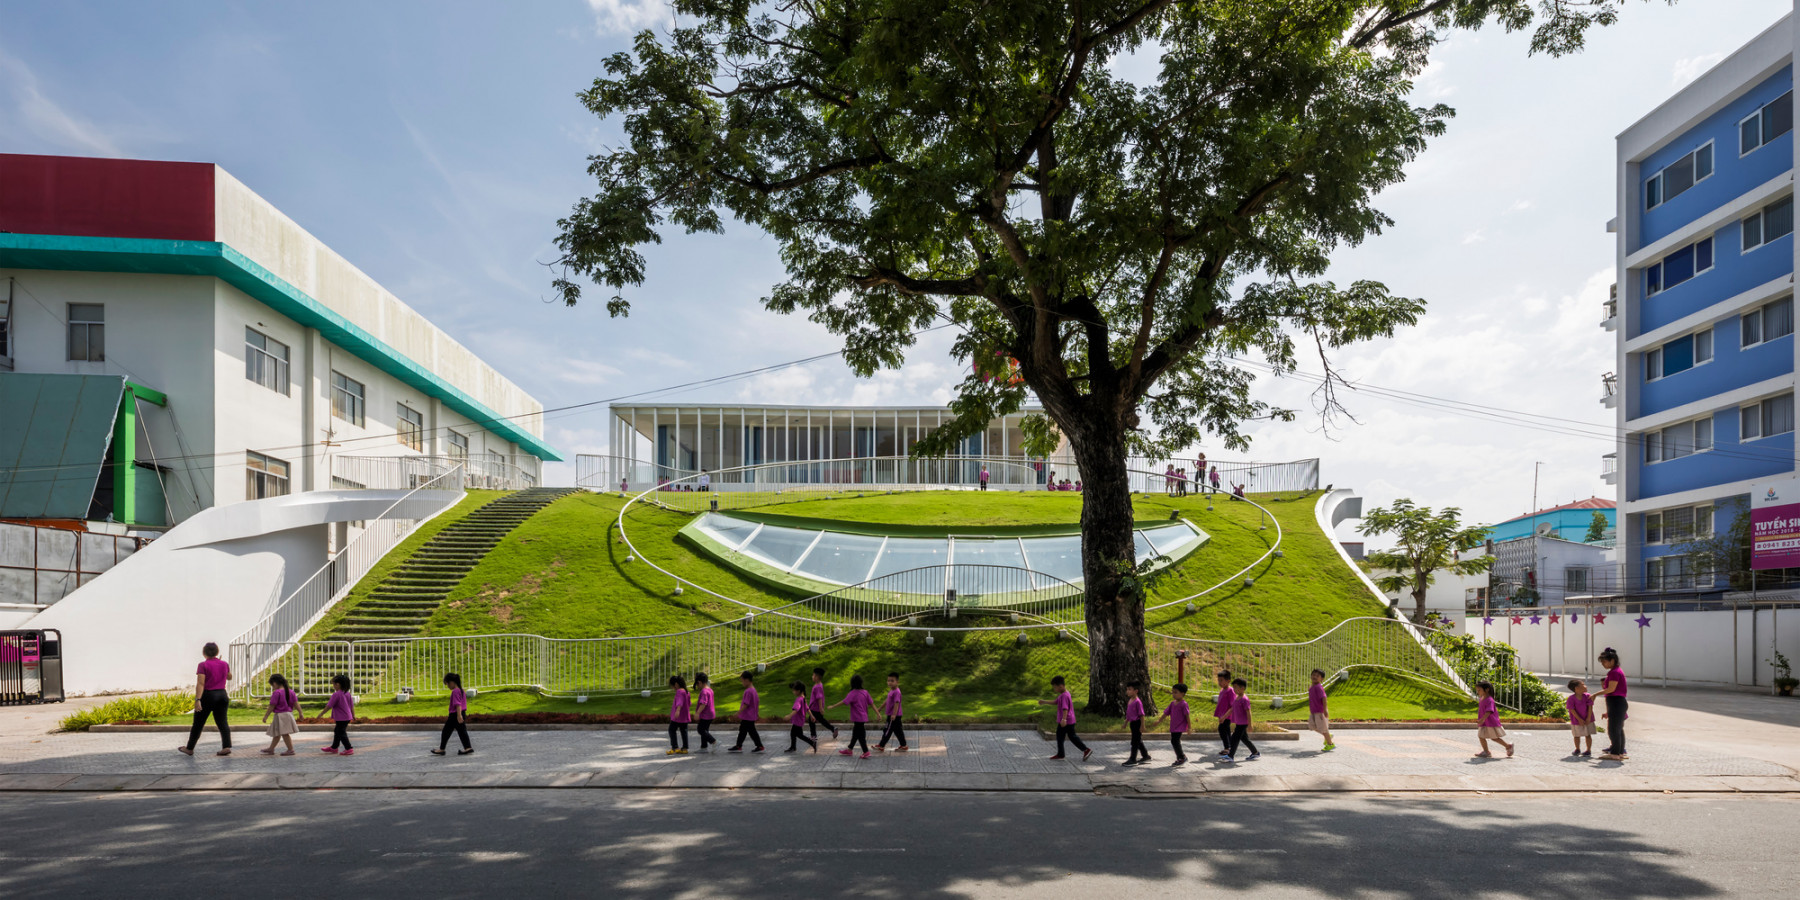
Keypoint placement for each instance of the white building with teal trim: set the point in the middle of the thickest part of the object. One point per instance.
(172, 342)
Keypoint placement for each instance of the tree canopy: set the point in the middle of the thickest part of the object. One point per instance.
(1426, 543)
(1131, 245)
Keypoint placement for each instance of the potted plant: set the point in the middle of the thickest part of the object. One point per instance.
(1785, 682)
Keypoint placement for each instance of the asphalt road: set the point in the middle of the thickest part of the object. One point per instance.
(679, 844)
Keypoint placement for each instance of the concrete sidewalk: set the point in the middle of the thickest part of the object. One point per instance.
(1374, 760)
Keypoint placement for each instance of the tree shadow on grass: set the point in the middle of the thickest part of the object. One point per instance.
(661, 844)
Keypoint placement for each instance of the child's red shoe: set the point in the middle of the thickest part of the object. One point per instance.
(346, 752)
(843, 752)
(332, 750)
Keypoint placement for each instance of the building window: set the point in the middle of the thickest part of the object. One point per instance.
(87, 332)
(409, 427)
(1575, 579)
(1679, 355)
(265, 361)
(1679, 266)
(1668, 573)
(1703, 521)
(1766, 124)
(459, 445)
(264, 476)
(1677, 441)
(1766, 419)
(347, 398)
(1653, 533)
(1774, 320)
(1768, 223)
(1674, 180)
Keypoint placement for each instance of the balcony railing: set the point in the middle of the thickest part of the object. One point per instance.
(1609, 390)
(1609, 467)
(1609, 310)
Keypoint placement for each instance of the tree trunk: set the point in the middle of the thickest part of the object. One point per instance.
(1419, 605)
(1115, 612)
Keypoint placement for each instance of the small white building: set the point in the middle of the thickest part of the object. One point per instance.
(169, 342)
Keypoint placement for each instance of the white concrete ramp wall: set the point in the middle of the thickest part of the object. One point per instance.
(140, 626)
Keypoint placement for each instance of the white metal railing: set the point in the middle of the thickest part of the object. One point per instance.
(295, 613)
(1285, 670)
(390, 473)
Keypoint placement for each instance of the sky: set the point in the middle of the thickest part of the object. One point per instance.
(435, 145)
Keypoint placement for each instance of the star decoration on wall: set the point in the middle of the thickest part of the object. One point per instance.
(1518, 620)
(1554, 618)
(1599, 618)
(1535, 620)
(1643, 621)
(1487, 620)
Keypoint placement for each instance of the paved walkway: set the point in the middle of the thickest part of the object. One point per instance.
(951, 760)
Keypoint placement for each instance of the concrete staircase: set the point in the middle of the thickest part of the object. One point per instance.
(401, 603)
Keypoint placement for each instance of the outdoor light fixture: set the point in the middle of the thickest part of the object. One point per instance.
(582, 698)
(644, 693)
(929, 640)
(812, 648)
(1015, 617)
(1276, 702)
(629, 558)
(912, 620)
(678, 590)
(1191, 610)
(1278, 554)
(761, 668)
(1023, 639)
(1249, 582)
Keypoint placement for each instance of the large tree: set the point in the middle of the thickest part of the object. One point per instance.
(990, 164)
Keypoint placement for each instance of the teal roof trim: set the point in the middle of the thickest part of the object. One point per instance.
(221, 261)
(58, 429)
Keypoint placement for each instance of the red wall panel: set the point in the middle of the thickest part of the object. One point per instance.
(106, 197)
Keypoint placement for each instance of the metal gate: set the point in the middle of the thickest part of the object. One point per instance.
(31, 667)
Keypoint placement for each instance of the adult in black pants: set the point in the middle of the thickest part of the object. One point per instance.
(210, 699)
(1613, 688)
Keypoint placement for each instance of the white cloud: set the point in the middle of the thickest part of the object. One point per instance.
(587, 371)
(1519, 206)
(1474, 237)
(627, 16)
(1689, 68)
(38, 114)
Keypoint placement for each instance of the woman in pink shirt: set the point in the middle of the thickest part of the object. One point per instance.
(1065, 719)
(703, 709)
(342, 707)
(1177, 714)
(457, 720)
(893, 710)
(859, 702)
(797, 720)
(678, 716)
(210, 699)
(748, 709)
(1487, 720)
(1612, 687)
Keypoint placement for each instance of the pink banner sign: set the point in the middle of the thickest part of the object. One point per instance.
(1775, 526)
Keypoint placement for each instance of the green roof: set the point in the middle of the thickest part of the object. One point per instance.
(221, 261)
(58, 429)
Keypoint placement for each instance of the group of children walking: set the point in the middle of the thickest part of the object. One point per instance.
(1231, 709)
(807, 712)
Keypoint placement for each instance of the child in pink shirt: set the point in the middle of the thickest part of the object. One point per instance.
(893, 711)
(1318, 718)
(457, 720)
(1581, 717)
(748, 709)
(797, 720)
(859, 702)
(703, 709)
(1065, 719)
(816, 706)
(1222, 712)
(1177, 714)
(342, 707)
(1487, 720)
(1134, 717)
(283, 702)
(678, 716)
(1240, 721)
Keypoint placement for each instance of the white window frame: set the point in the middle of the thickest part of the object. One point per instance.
(1658, 179)
(89, 329)
(1653, 358)
(1569, 585)
(1762, 140)
(1653, 533)
(1678, 440)
(265, 476)
(1695, 246)
(347, 404)
(1760, 316)
(458, 444)
(409, 430)
(1758, 415)
(1761, 217)
(261, 361)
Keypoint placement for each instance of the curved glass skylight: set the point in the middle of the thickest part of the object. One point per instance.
(842, 558)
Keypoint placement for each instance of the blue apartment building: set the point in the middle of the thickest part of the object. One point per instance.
(1703, 310)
